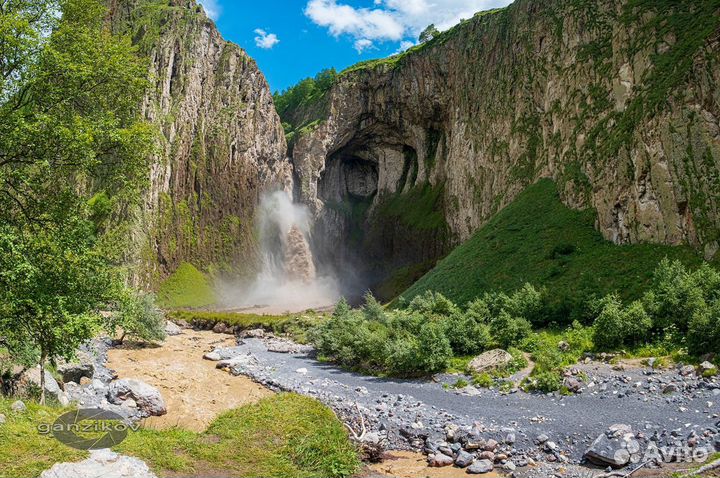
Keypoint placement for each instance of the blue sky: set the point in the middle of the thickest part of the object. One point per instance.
(294, 39)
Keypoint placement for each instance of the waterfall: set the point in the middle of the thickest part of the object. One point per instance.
(288, 279)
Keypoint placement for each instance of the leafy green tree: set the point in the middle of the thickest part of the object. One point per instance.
(70, 127)
(137, 316)
(429, 33)
(617, 326)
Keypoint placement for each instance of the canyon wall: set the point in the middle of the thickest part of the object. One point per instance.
(617, 100)
(220, 142)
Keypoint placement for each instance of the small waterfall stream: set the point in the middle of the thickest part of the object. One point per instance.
(288, 279)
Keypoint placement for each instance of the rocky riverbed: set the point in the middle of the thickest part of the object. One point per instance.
(626, 410)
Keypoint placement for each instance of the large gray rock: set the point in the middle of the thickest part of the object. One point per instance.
(223, 353)
(613, 447)
(439, 460)
(490, 360)
(29, 383)
(464, 459)
(147, 398)
(101, 463)
(74, 371)
(480, 467)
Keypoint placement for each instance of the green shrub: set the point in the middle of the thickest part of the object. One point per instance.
(467, 335)
(483, 380)
(704, 333)
(508, 330)
(617, 326)
(138, 317)
(545, 382)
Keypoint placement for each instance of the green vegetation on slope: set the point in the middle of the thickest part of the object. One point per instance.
(186, 287)
(539, 240)
(285, 435)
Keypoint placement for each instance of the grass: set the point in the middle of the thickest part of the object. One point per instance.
(539, 240)
(285, 435)
(186, 287)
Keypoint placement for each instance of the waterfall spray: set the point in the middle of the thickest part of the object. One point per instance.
(288, 279)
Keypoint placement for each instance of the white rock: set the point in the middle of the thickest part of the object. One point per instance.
(171, 328)
(101, 463)
(302, 371)
(147, 397)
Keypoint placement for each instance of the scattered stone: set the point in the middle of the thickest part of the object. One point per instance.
(614, 447)
(541, 439)
(85, 381)
(480, 467)
(670, 388)
(687, 370)
(101, 463)
(18, 406)
(464, 459)
(439, 459)
(490, 360)
(285, 346)
(253, 334)
(572, 384)
(74, 371)
(3, 419)
(171, 328)
(147, 398)
(220, 328)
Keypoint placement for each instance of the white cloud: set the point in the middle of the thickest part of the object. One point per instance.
(363, 44)
(212, 8)
(265, 40)
(404, 45)
(393, 20)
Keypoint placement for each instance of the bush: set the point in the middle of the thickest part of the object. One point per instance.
(509, 331)
(137, 316)
(617, 326)
(545, 382)
(483, 380)
(704, 332)
(467, 335)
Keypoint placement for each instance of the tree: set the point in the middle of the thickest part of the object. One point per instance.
(137, 316)
(70, 127)
(429, 33)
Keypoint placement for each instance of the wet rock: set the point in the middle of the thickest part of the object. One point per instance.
(480, 467)
(490, 360)
(614, 447)
(148, 398)
(101, 463)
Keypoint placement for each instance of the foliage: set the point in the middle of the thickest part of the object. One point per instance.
(186, 287)
(546, 382)
(285, 435)
(617, 326)
(428, 33)
(304, 93)
(138, 317)
(69, 127)
(537, 239)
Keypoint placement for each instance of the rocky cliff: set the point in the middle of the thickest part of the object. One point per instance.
(616, 100)
(220, 142)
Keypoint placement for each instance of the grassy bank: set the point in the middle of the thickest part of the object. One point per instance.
(286, 435)
(537, 239)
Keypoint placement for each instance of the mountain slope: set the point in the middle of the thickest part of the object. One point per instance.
(539, 240)
(220, 141)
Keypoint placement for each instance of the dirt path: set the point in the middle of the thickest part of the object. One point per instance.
(193, 389)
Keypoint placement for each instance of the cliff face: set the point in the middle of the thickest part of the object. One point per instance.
(220, 141)
(616, 100)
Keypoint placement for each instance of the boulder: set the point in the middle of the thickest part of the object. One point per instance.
(687, 370)
(490, 360)
(18, 406)
(572, 384)
(614, 447)
(171, 329)
(101, 463)
(74, 371)
(439, 459)
(148, 398)
(3, 419)
(29, 383)
(223, 353)
(253, 334)
(220, 328)
(707, 367)
(480, 467)
(464, 459)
